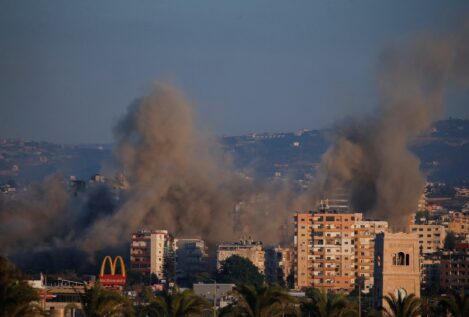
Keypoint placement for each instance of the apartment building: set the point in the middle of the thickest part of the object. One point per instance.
(431, 237)
(246, 248)
(364, 238)
(324, 250)
(191, 258)
(152, 251)
(454, 269)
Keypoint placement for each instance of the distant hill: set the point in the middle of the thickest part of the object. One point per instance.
(443, 151)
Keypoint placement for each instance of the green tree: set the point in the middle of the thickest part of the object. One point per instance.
(239, 270)
(174, 304)
(450, 240)
(402, 306)
(100, 302)
(261, 301)
(17, 298)
(319, 303)
(456, 304)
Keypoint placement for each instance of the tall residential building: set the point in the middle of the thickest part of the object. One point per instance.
(324, 250)
(431, 237)
(364, 238)
(249, 249)
(397, 267)
(191, 258)
(152, 251)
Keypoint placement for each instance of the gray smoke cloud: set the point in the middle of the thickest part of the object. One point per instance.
(178, 179)
(370, 156)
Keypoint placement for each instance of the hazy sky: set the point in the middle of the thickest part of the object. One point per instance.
(69, 69)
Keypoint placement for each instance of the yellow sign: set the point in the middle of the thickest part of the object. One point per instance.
(113, 265)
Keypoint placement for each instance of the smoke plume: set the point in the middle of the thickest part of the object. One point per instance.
(178, 181)
(369, 156)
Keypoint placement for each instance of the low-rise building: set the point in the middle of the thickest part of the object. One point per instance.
(246, 248)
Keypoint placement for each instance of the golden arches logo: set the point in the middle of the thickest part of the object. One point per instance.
(113, 265)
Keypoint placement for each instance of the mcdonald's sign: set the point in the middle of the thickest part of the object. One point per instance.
(112, 279)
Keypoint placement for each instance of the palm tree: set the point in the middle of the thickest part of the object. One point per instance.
(174, 304)
(262, 301)
(321, 304)
(100, 302)
(457, 304)
(402, 306)
(17, 298)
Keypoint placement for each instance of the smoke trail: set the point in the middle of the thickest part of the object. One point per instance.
(370, 155)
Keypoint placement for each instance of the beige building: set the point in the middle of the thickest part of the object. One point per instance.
(324, 250)
(431, 237)
(364, 238)
(459, 223)
(397, 266)
(249, 249)
(152, 251)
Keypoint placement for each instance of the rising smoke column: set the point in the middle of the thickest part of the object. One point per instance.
(177, 179)
(370, 155)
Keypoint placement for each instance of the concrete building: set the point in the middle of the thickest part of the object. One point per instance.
(459, 222)
(430, 272)
(278, 265)
(397, 267)
(246, 248)
(431, 237)
(454, 269)
(364, 242)
(324, 250)
(191, 258)
(152, 252)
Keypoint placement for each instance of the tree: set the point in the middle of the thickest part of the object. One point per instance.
(321, 304)
(450, 240)
(174, 304)
(17, 298)
(100, 302)
(261, 301)
(239, 270)
(457, 304)
(402, 306)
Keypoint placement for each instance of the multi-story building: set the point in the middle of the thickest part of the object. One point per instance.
(191, 258)
(397, 265)
(454, 269)
(324, 250)
(152, 252)
(431, 236)
(364, 242)
(278, 265)
(430, 271)
(246, 248)
(459, 222)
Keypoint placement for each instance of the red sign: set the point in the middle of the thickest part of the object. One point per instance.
(112, 280)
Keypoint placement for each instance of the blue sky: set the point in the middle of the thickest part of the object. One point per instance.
(69, 69)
